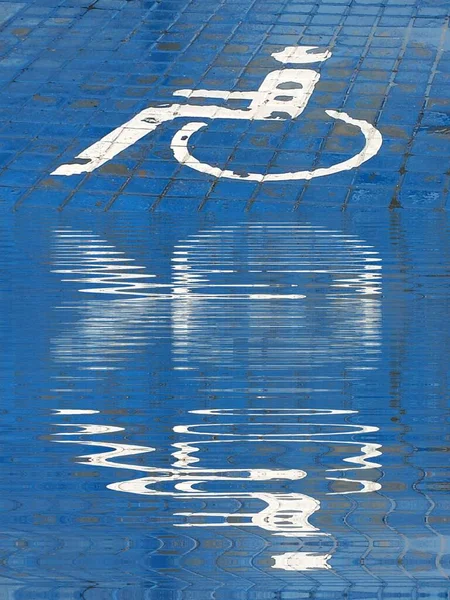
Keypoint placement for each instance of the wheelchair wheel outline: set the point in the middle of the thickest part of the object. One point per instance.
(373, 143)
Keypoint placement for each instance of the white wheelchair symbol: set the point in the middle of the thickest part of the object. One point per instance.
(284, 94)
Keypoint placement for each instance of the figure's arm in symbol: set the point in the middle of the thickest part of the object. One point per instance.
(119, 140)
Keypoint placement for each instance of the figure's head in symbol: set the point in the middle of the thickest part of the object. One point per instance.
(301, 55)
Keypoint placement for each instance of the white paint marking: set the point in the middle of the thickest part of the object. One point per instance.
(301, 55)
(373, 143)
(284, 94)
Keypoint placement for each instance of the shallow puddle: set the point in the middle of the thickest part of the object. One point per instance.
(225, 408)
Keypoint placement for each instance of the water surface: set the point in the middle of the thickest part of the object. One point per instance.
(225, 408)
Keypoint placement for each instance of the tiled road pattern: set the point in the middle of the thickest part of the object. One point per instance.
(73, 71)
(221, 380)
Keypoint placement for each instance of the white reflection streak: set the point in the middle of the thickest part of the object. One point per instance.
(354, 429)
(102, 459)
(280, 256)
(97, 263)
(301, 561)
(86, 429)
(263, 412)
(351, 302)
(74, 411)
(161, 475)
(185, 450)
(284, 514)
(208, 270)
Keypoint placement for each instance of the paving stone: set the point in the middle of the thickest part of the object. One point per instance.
(74, 70)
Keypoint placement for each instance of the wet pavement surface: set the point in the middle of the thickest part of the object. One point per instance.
(72, 72)
(225, 294)
(223, 408)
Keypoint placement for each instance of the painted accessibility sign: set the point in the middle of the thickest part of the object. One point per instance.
(284, 94)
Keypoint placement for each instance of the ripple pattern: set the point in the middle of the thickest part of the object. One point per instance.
(284, 514)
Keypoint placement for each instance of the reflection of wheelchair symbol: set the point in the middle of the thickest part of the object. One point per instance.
(283, 95)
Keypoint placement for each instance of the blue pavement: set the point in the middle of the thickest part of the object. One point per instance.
(74, 70)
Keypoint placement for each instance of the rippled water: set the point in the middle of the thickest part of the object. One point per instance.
(225, 408)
